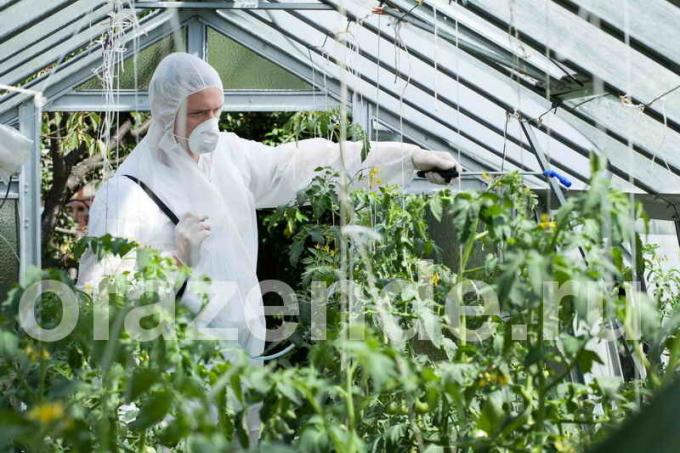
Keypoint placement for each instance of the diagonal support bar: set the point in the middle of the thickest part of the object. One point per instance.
(542, 160)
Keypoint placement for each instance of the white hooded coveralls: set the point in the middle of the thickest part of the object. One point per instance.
(227, 185)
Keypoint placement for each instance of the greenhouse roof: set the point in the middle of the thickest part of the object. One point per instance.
(501, 84)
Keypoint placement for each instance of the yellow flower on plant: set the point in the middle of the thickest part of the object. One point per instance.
(562, 445)
(373, 179)
(502, 379)
(546, 223)
(325, 249)
(435, 279)
(36, 354)
(46, 413)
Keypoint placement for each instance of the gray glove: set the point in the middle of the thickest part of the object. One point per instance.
(425, 160)
(190, 232)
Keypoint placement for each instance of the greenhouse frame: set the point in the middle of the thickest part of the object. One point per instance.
(492, 82)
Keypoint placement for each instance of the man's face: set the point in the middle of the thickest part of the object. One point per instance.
(197, 108)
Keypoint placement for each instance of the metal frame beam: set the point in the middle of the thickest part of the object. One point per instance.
(234, 101)
(81, 67)
(29, 190)
(473, 43)
(542, 160)
(197, 38)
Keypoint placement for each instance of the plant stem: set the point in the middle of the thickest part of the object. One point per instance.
(467, 249)
(351, 422)
(541, 375)
(142, 442)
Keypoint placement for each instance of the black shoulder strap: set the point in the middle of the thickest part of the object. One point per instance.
(162, 206)
(168, 212)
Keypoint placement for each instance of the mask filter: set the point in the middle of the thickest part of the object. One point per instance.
(203, 139)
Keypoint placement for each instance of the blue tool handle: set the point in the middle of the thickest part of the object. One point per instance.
(566, 182)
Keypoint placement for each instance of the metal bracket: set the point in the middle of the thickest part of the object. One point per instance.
(197, 37)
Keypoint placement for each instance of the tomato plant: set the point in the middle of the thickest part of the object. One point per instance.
(390, 365)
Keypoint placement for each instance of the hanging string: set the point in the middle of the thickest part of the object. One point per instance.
(516, 45)
(436, 57)
(505, 140)
(400, 44)
(122, 20)
(377, 81)
(555, 105)
(458, 115)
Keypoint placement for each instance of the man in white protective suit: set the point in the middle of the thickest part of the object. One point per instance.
(213, 182)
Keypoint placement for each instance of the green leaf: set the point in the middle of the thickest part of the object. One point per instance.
(536, 271)
(586, 358)
(235, 382)
(288, 390)
(491, 416)
(153, 410)
(12, 425)
(141, 381)
(465, 213)
(314, 439)
(396, 434)
(9, 344)
(431, 325)
(436, 207)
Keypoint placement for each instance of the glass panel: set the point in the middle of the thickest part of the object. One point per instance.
(449, 12)
(241, 68)
(579, 41)
(147, 60)
(633, 124)
(653, 22)
(662, 233)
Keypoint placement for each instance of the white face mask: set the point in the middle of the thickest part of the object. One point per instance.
(204, 137)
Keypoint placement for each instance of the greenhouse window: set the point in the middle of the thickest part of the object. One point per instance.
(241, 68)
(147, 60)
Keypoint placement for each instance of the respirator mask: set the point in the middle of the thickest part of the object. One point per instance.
(203, 139)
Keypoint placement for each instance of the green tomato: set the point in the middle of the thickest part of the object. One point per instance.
(392, 408)
(422, 407)
(397, 408)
